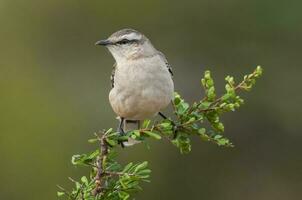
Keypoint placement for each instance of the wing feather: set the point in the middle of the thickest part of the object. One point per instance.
(169, 67)
(112, 75)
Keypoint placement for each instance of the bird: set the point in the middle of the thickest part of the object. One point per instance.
(141, 79)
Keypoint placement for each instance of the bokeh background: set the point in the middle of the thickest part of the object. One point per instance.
(54, 85)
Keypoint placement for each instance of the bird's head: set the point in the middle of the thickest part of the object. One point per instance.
(127, 44)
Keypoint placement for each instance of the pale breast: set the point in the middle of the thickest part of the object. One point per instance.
(142, 88)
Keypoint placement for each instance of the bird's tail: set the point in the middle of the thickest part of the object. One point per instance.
(128, 126)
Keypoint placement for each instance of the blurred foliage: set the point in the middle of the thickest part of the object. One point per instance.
(54, 87)
(109, 181)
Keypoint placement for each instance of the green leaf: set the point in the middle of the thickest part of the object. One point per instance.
(127, 167)
(182, 141)
(144, 172)
(166, 125)
(123, 195)
(201, 131)
(205, 105)
(146, 123)
(93, 140)
(59, 194)
(84, 180)
(108, 131)
(211, 94)
(141, 166)
(111, 142)
(176, 99)
(152, 134)
(182, 107)
(217, 137)
(84, 159)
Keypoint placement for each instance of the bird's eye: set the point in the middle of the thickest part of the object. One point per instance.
(124, 41)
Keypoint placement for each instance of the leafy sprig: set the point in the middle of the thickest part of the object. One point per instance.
(109, 180)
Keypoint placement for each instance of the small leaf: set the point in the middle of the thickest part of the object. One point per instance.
(111, 142)
(217, 137)
(108, 131)
(84, 180)
(201, 131)
(146, 123)
(127, 167)
(141, 166)
(93, 140)
(123, 195)
(143, 172)
(176, 99)
(59, 194)
(205, 105)
(153, 135)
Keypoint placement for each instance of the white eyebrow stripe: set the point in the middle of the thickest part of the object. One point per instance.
(132, 36)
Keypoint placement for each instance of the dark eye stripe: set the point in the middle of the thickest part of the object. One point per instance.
(125, 41)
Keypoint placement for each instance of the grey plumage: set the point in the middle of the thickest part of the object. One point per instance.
(169, 67)
(141, 79)
(167, 64)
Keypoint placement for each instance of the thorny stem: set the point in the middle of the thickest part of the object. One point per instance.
(101, 172)
(100, 166)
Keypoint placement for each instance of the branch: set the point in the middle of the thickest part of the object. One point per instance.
(100, 165)
(111, 181)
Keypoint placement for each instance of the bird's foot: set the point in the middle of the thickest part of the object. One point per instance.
(121, 132)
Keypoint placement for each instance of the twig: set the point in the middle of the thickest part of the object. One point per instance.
(100, 166)
(119, 174)
(79, 191)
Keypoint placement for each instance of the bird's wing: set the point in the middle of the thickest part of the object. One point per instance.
(166, 61)
(112, 75)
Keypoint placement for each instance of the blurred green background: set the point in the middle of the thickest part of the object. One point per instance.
(54, 85)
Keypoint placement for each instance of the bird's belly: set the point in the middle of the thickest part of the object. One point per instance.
(140, 95)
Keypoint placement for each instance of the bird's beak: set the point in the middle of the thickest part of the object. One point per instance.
(103, 42)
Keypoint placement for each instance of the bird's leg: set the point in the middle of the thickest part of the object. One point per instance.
(175, 127)
(162, 115)
(121, 130)
(120, 126)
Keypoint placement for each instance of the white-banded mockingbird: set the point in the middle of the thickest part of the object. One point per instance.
(141, 79)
